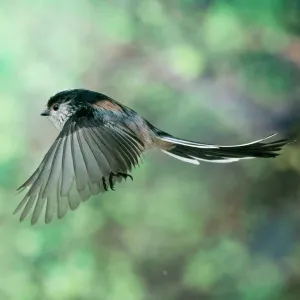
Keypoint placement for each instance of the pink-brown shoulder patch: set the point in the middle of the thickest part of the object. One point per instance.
(108, 105)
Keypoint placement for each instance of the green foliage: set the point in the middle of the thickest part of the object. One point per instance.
(212, 71)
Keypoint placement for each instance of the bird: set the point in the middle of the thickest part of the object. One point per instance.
(99, 143)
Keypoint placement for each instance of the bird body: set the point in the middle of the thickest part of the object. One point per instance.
(100, 142)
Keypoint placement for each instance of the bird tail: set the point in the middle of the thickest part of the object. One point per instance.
(193, 152)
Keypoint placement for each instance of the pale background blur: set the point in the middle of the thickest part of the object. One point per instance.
(213, 71)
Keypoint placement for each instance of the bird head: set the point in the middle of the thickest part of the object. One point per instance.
(61, 106)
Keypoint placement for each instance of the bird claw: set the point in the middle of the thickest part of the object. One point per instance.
(110, 180)
(104, 184)
(111, 184)
(125, 175)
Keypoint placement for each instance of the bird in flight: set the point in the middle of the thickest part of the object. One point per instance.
(99, 143)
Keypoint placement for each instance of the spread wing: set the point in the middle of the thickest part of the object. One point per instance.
(87, 158)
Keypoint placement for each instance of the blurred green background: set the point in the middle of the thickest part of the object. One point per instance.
(213, 71)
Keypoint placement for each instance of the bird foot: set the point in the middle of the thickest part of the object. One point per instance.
(110, 180)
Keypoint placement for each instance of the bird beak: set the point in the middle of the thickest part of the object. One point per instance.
(46, 113)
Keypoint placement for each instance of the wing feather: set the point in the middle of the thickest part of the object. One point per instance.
(67, 166)
(81, 176)
(87, 157)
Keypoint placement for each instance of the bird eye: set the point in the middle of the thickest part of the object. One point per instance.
(55, 107)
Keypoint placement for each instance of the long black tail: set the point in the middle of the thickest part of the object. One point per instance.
(193, 152)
